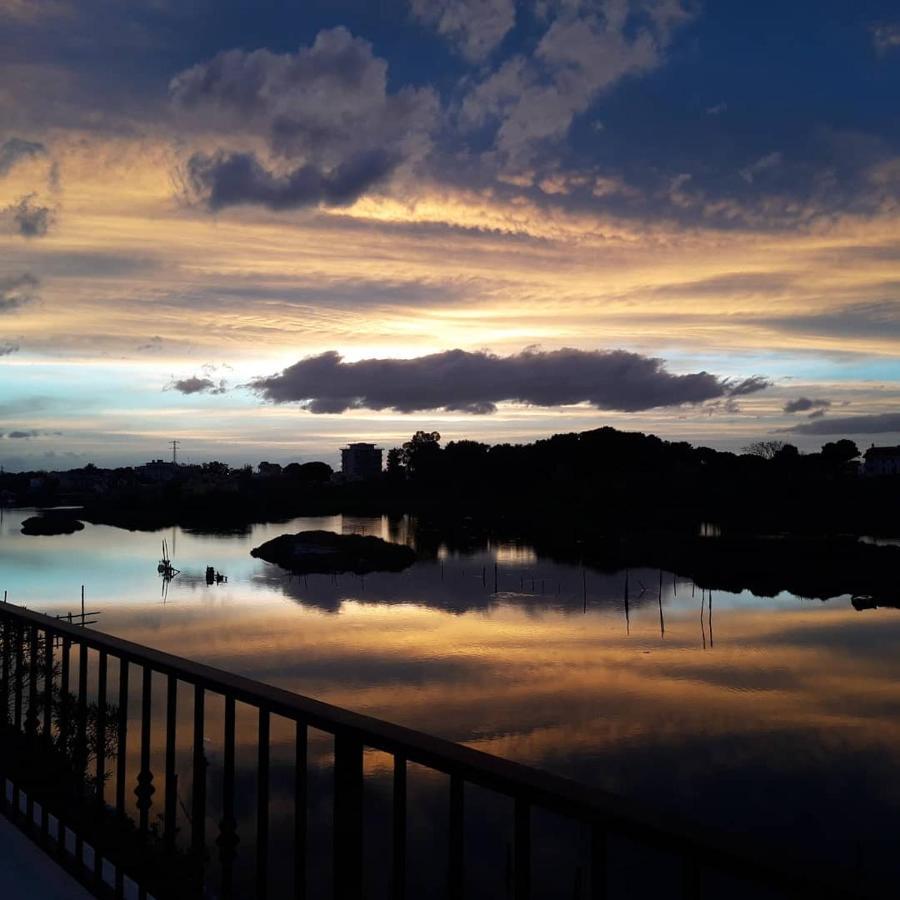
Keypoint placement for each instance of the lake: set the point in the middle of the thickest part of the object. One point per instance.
(770, 716)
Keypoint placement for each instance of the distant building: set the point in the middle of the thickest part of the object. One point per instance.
(882, 461)
(360, 461)
(157, 471)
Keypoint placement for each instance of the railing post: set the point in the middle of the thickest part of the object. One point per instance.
(227, 840)
(171, 783)
(690, 874)
(31, 717)
(101, 729)
(121, 758)
(121, 737)
(300, 800)
(456, 857)
(198, 788)
(145, 789)
(522, 849)
(598, 862)
(81, 718)
(48, 687)
(80, 756)
(399, 867)
(348, 789)
(5, 677)
(262, 806)
(20, 664)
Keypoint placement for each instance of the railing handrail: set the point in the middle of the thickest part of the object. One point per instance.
(545, 790)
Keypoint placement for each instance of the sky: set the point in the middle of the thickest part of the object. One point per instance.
(267, 228)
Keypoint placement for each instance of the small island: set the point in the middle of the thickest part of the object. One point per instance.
(322, 552)
(50, 524)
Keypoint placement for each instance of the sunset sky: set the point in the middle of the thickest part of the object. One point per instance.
(267, 228)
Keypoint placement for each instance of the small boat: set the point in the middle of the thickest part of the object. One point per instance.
(214, 577)
(165, 567)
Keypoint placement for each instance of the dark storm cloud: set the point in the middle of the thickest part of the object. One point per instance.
(16, 149)
(805, 404)
(198, 385)
(16, 291)
(460, 381)
(880, 423)
(333, 128)
(234, 179)
(7, 348)
(29, 218)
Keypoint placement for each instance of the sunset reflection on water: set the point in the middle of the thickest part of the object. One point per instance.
(770, 716)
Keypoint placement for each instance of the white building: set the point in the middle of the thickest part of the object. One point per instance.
(361, 461)
(882, 461)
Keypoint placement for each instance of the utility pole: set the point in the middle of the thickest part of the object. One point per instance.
(175, 452)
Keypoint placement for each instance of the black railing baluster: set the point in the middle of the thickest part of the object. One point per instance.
(47, 729)
(171, 783)
(101, 729)
(64, 711)
(66, 662)
(48, 686)
(348, 791)
(522, 849)
(227, 839)
(399, 817)
(456, 857)
(198, 788)
(101, 755)
(121, 759)
(598, 862)
(5, 678)
(19, 637)
(262, 806)
(121, 737)
(20, 664)
(691, 887)
(81, 737)
(81, 723)
(145, 789)
(31, 716)
(300, 816)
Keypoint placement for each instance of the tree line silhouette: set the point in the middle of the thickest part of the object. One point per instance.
(603, 479)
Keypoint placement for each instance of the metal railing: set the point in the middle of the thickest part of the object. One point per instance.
(36, 664)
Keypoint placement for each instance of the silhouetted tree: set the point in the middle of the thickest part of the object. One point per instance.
(764, 449)
(396, 464)
(840, 452)
(309, 473)
(421, 454)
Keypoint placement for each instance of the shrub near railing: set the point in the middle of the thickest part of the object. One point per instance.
(55, 747)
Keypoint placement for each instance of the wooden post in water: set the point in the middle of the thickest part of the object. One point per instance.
(662, 621)
(627, 610)
(702, 625)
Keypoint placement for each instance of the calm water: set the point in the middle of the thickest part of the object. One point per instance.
(771, 716)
